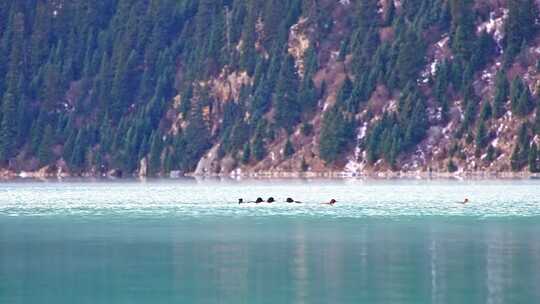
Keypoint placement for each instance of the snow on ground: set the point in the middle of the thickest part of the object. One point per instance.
(438, 52)
(357, 162)
(495, 25)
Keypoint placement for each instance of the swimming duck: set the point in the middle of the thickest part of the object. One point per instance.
(331, 202)
(290, 200)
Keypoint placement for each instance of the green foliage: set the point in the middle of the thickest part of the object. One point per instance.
(463, 32)
(490, 154)
(307, 129)
(451, 166)
(520, 154)
(286, 104)
(304, 165)
(502, 91)
(397, 133)
(482, 135)
(520, 26)
(536, 125)
(520, 98)
(259, 149)
(410, 58)
(45, 153)
(534, 162)
(246, 153)
(156, 148)
(486, 111)
(289, 149)
(8, 126)
(336, 136)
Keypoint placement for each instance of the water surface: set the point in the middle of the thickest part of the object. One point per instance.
(399, 241)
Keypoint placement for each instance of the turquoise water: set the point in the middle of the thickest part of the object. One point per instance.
(189, 242)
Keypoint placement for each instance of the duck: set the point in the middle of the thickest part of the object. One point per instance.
(331, 202)
(290, 200)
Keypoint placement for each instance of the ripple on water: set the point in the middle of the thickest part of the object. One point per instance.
(402, 199)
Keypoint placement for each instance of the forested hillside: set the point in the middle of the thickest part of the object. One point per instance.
(141, 87)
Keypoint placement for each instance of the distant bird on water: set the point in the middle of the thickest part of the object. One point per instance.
(290, 200)
(331, 202)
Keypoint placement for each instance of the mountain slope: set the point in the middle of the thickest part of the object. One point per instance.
(238, 87)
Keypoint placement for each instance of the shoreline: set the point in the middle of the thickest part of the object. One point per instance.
(271, 175)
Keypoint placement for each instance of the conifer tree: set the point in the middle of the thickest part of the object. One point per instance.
(536, 125)
(286, 100)
(246, 153)
(289, 149)
(336, 135)
(486, 111)
(45, 152)
(410, 57)
(533, 159)
(481, 135)
(520, 26)
(8, 125)
(156, 149)
(501, 94)
(259, 151)
(520, 97)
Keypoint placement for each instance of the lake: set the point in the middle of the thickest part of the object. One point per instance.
(188, 241)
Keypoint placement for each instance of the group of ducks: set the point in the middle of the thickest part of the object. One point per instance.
(271, 200)
(289, 200)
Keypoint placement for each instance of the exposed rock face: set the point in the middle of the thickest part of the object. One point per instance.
(209, 163)
(143, 168)
(299, 42)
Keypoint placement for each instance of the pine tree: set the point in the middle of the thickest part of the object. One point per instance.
(501, 94)
(156, 149)
(486, 111)
(520, 154)
(336, 135)
(289, 149)
(520, 26)
(515, 159)
(248, 57)
(451, 166)
(197, 137)
(259, 151)
(462, 28)
(286, 101)
(410, 57)
(481, 135)
(525, 102)
(536, 125)
(45, 153)
(533, 159)
(8, 127)
(78, 156)
(520, 97)
(246, 153)
(490, 154)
